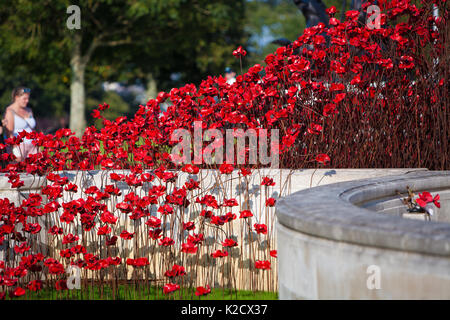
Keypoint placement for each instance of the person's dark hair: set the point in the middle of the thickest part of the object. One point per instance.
(18, 91)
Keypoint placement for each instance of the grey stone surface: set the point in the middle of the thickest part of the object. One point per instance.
(327, 239)
(32, 184)
(331, 212)
(318, 268)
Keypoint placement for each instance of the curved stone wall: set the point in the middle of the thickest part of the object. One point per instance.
(332, 244)
(32, 184)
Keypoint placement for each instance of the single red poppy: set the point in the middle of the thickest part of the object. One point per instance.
(202, 291)
(246, 214)
(170, 287)
(264, 265)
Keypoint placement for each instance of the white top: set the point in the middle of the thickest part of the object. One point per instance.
(231, 81)
(22, 124)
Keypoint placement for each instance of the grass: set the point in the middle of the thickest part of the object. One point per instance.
(143, 293)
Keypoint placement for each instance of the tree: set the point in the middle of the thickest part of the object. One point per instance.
(185, 37)
(267, 20)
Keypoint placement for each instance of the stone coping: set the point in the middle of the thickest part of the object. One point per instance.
(30, 182)
(309, 177)
(331, 212)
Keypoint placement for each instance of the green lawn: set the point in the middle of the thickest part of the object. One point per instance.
(151, 293)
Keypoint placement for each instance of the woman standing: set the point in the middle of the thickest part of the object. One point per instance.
(18, 117)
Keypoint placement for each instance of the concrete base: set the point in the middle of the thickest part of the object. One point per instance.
(318, 268)
(350, 241)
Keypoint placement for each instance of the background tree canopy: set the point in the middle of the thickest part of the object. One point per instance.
(267, 20)
(158, 44)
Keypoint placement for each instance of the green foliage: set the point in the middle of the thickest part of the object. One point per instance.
(271, 20)
(121, 107)
(189, 39)
(192, 39)
(49, 92)
(267, 20)
(129, 292)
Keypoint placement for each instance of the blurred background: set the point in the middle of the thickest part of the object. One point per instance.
(127, 51)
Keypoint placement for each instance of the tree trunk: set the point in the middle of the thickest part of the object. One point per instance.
(152, 90)
(77, 90)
